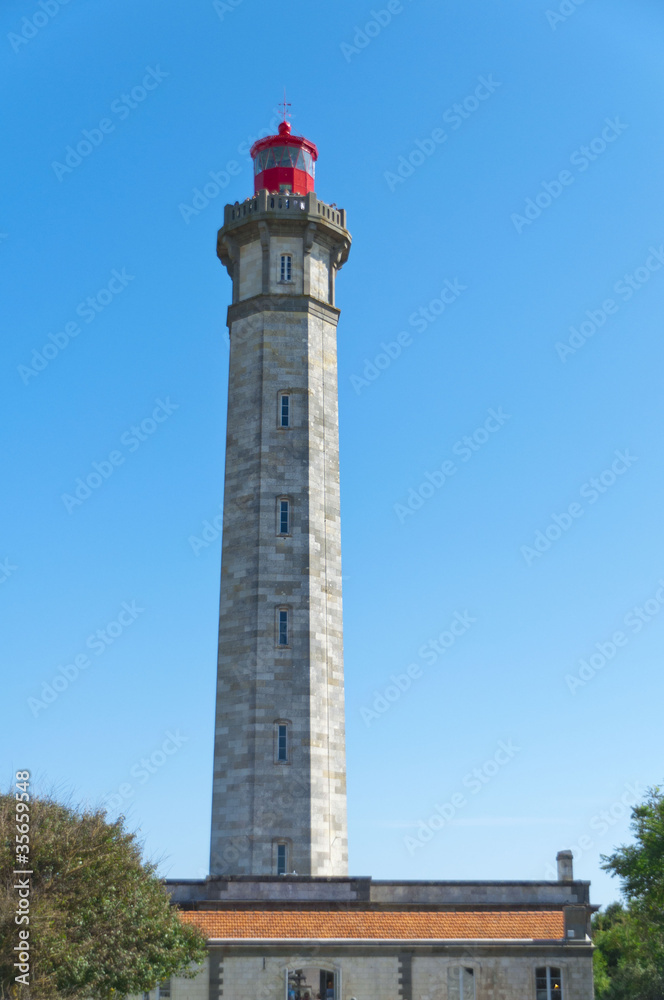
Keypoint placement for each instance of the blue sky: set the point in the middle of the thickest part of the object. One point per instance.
(535, 204)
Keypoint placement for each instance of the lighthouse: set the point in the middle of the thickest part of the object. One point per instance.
(279, 783)
(283, 918)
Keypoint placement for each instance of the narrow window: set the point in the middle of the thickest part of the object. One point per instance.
(284, 517)
(548, 984)
(286, 272)
(460, 983)
(282, 859)
(283, 627)
(164, 990)
(282, 743)
(284, 409)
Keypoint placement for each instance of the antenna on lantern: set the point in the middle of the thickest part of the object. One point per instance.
(285, 113)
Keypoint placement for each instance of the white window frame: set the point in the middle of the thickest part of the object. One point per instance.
(550, 993)
(286, 269)
(278, 726)
(158, 995)
(459, 970)
(280, 411)
(289, 513)
(286, 846)
(280, 621)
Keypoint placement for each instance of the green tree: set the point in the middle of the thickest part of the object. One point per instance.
(629, 961)
(640, 866)
(101, 922)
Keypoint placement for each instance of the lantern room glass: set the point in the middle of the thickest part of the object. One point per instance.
(293, 157)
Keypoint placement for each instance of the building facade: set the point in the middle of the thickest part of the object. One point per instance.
(298, 938)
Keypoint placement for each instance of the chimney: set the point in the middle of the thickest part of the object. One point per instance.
(565, 861)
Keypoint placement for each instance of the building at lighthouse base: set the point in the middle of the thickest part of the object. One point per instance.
(296, 937)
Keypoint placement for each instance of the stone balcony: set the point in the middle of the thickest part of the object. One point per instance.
(285, 206)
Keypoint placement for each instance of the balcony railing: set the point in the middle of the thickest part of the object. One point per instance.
(284, 204)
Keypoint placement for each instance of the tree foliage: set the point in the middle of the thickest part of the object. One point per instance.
(640, 866)
(101, 922)
(629, 961)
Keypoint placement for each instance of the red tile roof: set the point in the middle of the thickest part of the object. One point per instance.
(380, 925)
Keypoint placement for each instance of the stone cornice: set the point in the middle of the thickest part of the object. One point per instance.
(282, 303)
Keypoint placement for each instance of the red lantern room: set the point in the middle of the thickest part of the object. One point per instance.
(284, 162)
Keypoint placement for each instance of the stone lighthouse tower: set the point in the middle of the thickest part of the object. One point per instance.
(282, 917)
(279, 793)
